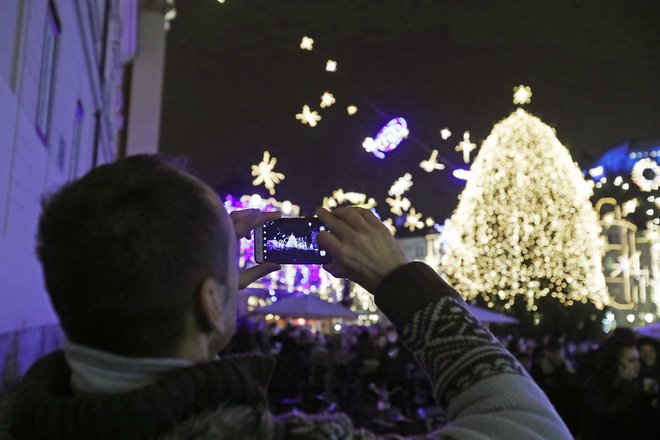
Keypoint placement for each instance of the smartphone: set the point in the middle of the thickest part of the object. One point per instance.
(290, 240)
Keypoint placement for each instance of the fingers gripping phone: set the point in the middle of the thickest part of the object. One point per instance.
(290, 240)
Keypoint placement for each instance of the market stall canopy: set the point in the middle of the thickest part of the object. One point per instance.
(652, 330)
(308, 307)
(484, 315)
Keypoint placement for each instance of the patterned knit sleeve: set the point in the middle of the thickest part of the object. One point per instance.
(480, 385)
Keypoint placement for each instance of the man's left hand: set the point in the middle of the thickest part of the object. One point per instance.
(245, 221)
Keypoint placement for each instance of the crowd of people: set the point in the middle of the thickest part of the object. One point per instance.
(606, 390)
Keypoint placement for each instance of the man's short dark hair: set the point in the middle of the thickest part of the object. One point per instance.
(124, 251)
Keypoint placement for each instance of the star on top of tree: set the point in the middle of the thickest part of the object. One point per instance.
(308, 117)
(466, 147)
(264, 173)
(401, 185)
(522, 95)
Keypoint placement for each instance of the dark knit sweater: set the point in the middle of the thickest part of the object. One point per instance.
(483, 389)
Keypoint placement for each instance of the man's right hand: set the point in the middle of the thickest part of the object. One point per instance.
(362, 248)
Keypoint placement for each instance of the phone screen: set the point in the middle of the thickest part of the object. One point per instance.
(292, 241)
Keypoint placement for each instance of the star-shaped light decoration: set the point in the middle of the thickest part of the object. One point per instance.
(308, 117)
(466, 147)
(626, 264)
(390, 225)
(431, 163)
(327, 99)
(522, 95)
(401, 185)
(413, 220)
(307, 43)
(351, 110)
(331, 66)
(445, 133)
(398, 205)
(264, 173)
(629, 207)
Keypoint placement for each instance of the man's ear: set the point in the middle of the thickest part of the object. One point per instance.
(212, 303)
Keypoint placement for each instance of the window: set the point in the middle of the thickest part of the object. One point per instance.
(75, 140)
(47, 74)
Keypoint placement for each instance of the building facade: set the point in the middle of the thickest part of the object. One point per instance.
(66, 74)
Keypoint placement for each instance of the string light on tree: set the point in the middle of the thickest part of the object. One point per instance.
(629, 207)
(307, 43)
(327, 99)
(351, 110)
(522, 95)
(431, 163)
(524, 226)
(264, 173)
(445, 133)
(331, 66)
(466, 146)
(308, 117)
(401, 185)
(646, 174)
(398, 205)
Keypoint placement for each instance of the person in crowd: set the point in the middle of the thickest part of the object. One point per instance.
(140, 262)
(649, 372)
(614, 407)
(555, 374)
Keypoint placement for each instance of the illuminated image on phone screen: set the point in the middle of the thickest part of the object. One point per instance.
(293, 240)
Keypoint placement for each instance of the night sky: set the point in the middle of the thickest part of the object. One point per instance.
(235, 78)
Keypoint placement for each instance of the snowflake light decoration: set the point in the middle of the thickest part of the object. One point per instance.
(351, 110)
(390, 225)
(340, 197)
(466, 146)
(264, 173)
(413, 220)
(327, 99)
(308, 117)
(307, 43)
(644, 183)
(431, 163)
(401, 185)
(522, 95)
(398, 205)
(445, 133)
(387, 139)
(331, 66)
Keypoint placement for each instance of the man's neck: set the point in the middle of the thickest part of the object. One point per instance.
(96, 371)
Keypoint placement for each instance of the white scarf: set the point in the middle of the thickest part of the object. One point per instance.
(96, 371)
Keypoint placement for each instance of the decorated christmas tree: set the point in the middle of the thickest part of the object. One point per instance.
(524, 232)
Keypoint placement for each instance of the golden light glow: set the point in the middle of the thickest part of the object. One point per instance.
(331, 66)
(466, 146)
(398, 205)
(401, 185)
(445, 133)
(390, 225)
(327, 99)
(522, 95)
(308, 117)
(307, 43)
(524, 224)
(264, 173)
(340, 197)
(413, 220)
(351, 110)
(629, 207)
(431, 163)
